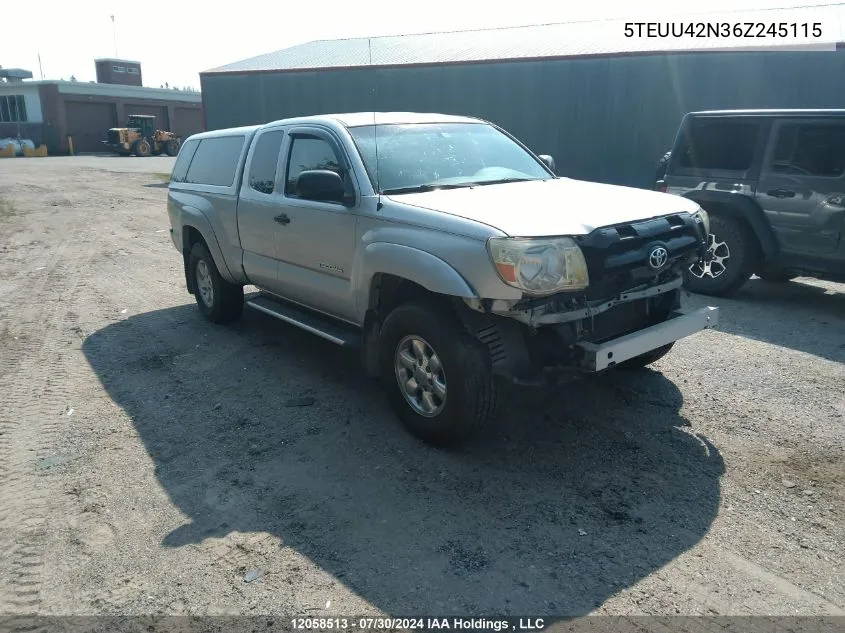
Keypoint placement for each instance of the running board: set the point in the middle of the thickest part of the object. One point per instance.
(313, 322)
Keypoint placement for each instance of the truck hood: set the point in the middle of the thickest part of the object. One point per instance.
(541, 208)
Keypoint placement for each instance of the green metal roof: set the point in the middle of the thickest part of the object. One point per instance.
(570, 39)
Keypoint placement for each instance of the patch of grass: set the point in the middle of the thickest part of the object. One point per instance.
(163, 177)
(7, 209)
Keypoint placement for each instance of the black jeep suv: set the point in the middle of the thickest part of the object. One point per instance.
(773, 184)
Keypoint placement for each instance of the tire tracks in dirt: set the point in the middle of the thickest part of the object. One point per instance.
(35, 394)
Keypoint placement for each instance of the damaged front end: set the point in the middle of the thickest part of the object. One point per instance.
(636, 277)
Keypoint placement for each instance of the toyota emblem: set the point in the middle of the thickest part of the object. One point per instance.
(657, 257)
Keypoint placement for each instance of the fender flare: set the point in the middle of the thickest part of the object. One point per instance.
(741, 206)
(413, 264)
(195, 219)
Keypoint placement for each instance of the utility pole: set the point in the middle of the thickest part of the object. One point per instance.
(114, 35)
(40, 69)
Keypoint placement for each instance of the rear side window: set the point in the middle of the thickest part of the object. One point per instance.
(186, 153)
(215, 161)
(719, 145)
(265, 157)
(815, 149)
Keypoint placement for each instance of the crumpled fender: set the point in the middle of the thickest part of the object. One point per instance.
(413, 264)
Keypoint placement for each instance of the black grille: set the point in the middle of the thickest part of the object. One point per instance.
(629, 317)
(617, 256)
(114, 136)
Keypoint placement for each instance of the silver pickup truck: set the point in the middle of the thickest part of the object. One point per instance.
(452, 256)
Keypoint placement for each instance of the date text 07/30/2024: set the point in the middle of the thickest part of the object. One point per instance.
(423, 623)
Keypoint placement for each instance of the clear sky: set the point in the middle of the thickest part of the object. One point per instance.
(177, 39)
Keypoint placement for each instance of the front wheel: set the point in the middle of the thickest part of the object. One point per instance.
(439, 380)
(730, 259)
(218, 300)
(171, 147)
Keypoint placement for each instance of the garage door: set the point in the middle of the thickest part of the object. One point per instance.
(188, 121)
(159, 112)
(87, 124)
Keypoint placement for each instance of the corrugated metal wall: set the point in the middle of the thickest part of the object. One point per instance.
(605, 119)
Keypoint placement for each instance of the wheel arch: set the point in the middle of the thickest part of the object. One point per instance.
(742, 208)
(387, 268)
(197, 228)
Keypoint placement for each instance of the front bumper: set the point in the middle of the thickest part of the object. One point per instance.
(600, 356)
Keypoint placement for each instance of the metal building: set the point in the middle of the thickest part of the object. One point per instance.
(606, 106)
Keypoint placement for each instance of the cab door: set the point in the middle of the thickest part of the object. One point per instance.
(257, 207)
(315, 240)
(802, 185)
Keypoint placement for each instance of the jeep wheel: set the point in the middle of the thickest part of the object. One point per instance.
(729, 261)
(440, 381)
(219, 301)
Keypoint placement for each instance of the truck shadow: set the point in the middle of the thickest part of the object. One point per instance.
(803, 315)
(572, 498)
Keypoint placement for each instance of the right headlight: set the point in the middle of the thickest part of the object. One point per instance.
(539, 266)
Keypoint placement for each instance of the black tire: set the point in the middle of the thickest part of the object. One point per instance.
(141, 147)
(646, 359)
(171, 147)
(226, 301)
(471, 393)
(743, 256)
(775, 276)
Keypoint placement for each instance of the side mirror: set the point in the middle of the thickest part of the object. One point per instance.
(320, 184)
(548, 160)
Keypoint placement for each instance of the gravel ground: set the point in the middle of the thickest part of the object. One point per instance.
(150, 461)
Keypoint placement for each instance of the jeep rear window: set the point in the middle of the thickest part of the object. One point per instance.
(815, 149)
(215, 161)
(718, 145)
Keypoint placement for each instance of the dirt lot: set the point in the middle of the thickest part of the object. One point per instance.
(149, 460)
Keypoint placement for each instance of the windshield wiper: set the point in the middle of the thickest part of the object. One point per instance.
(503, 180)
(428, 187)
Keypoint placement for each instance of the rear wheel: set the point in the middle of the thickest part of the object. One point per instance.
(439, 380)
(219, 301)
(731, 256)
(141, 147)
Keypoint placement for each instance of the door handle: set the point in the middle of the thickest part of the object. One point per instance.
(781, 193)
(282, 219)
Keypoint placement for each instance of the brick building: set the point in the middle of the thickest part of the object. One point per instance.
(51, 111)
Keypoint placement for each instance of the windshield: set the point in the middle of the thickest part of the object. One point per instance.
(422, 156)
